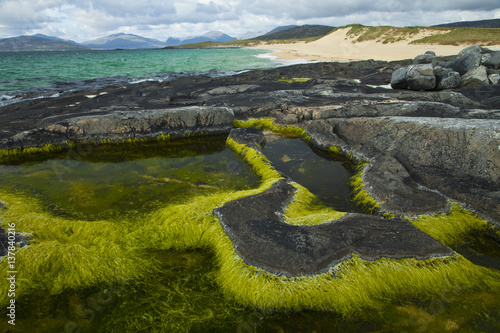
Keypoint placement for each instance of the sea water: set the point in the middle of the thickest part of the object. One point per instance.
(42, 74)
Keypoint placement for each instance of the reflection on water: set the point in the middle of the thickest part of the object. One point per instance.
(99, 182)
(324, 174)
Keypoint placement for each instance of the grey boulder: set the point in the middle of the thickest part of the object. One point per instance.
(414, 77)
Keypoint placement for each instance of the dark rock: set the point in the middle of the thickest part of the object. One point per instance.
(446, 78)
(457, 157)
(119, 125)
(466, 62)
(477, 76)
(391, 184)
(425, 58)
(430, 57)
(414, 77)
(6, 237)
(250, 137)
(473, 49)
(493, 61)
(263, 239)
(494, 78)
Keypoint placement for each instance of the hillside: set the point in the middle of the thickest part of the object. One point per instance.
(495, 23)
(280, 28)
(124, 41)
(31, 43)
(424, 35)
(297, 32)
(57, 39)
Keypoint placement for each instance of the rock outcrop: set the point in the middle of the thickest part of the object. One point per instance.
(457, 157)
(470, 68)
(122, 125)
(263, 239)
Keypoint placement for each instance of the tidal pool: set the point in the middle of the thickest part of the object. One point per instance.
(325, 174)
(105, 181)
(181, 294)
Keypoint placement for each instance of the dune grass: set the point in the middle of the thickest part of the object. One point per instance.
(438, 35)
(381, 34)
(464, 36)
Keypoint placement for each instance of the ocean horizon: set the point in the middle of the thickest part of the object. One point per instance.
(39, 74)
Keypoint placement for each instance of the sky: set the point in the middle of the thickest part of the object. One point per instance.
(83, 20)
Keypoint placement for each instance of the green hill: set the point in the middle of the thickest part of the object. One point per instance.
(300, 32)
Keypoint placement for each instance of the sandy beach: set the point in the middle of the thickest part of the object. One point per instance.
(337, 46)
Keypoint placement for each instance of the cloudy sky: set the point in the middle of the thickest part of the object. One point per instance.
(83, 20)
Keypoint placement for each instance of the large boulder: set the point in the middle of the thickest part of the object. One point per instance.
(414, 77)
(468, 61)
(477, 76)
(446, 78)
(473, 49)
(425, 58)
(493, 61)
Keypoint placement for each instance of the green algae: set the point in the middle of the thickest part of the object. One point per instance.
(268, 123)
(79, 258)
(295, 79)
(104, 181)
(361, 197)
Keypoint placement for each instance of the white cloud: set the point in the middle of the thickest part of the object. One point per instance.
(88, 19)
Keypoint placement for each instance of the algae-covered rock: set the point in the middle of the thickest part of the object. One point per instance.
(263, 239)
(250, 137)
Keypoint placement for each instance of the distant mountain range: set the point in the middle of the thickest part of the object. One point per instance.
(32, 43)
(124, 41)
(472, 24)
(57, 39)
(212, 36)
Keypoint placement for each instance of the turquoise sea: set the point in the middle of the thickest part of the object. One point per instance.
(40, 74)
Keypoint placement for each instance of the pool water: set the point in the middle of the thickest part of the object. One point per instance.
(324, 174)
(105, 181)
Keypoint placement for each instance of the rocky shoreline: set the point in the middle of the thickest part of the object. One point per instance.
(423, 147)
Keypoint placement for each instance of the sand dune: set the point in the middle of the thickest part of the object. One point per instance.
(337, 46)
